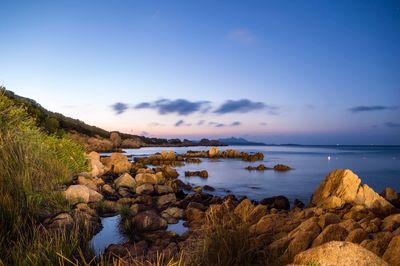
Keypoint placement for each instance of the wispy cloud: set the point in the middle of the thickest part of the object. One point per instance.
(239, 106)
(180, 123)
(235, 124)
(370, 108)
(201, 122)
(155, 124)
(119, 108)
(179, 106)
(243, 36)
(263, 124)
(392, 124)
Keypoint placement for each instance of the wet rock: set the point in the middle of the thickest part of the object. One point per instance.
(298, 204)
(202, 173)
(260, 167)
(192, 160)
(149, 221)
(125, 180)
(339, 253)
(117, 163)
(146, 188)
(208, 188)
(281, 167)
(277, 202)
(179, 184)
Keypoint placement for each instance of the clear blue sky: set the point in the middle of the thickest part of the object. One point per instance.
(312, 72)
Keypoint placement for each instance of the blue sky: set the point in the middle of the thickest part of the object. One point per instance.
(312, 72)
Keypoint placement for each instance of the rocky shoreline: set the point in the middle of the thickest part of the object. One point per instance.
(343, 216)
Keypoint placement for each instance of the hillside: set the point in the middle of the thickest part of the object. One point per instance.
(92, 137)
(240, 141)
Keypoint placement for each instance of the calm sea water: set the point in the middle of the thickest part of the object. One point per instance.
(377, 166)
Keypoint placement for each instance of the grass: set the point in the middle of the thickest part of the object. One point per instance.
(33, 165)
(224, 240)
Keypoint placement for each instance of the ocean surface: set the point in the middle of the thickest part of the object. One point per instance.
(377, 166)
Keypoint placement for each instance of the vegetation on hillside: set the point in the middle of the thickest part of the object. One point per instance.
(33, 165)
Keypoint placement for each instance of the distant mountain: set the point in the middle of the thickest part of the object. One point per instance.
(240, 141)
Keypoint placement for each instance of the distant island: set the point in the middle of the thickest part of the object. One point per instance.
(240, 142)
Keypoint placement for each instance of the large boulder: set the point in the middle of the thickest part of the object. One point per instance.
(96, 167)
(142, 178)
(339, 253)
(125, 180)
(343, 186)
(80, 193)
(117, 163)
(391, 223)
(330, 233)
(145, 188)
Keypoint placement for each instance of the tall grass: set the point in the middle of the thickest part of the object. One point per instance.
(32, 167)
(224, 240)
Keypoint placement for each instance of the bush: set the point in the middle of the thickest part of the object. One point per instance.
(32, 167)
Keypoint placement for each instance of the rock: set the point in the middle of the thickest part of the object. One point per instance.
(169, 172)
(125, 180)
(357, 213)
(179, 184)
(330, 233)
(357, 236)
(77, 193)
(213, 152)
(392, 253)
(117, 163)
(61, 221)
(125, 192)
(256, 214)
(162, 189)
(108, 190)
(208, 188)
(327, 219)
(281, 167)
(89, 182)
(243, 209)
(166, 200)
(142, 178)
(298, 204)
(389, 194)
(349, 225)
(172, 215)
(94, 196)
(115, 139)
(202, 173)
(194, 214)
(96, 167)
(260, 167)
(146, 188)
(339, 253)
(160, 179)
(149, 221)
(343, 186)
(378, 243)
(391, 223)
(277, 202)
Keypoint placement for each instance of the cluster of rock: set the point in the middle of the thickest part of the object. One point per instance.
(202, 173)
(215, 153)
(262, 167)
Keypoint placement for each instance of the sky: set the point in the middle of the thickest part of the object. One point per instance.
(307, 72)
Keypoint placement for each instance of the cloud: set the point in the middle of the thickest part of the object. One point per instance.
(216, 124)
(182, 123)
(235, 124)
(179, 106)
(119, 108)
(263, 124)
(220, 125)
(155, 124)
(239, 106)
(243, 36)
(201, 122)
(371, 108)
(392, 124)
